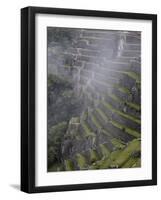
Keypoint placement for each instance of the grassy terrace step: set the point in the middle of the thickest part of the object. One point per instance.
(122, 114)
(130, 104)
(138, 163)
(106, 162)
(134, 105)
(105, 151)
(95, 121)
(93, 156)
(124, 93)
(118, 143)
(126, 154)
(118, 125)
(122, 133)
(116, 99)
(127, 116)
(69, 165)
(122, 89)
(134, 76)
(127, 129)
(120, 158)
(105, 86)
(109, 106)
(100, 127)
(131, 74)
(81, 161)
(130, 163)
(87, 129)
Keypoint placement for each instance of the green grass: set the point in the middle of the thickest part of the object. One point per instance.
(127, 116)
(131, 162)
(133, 75)
(122, 89)
(134, 105)
(106, 132)
(87, 130)
(102, 114)
(126, 153)
(127, 130)
(130, 104)
(107, 105)
(105, 151)
(120, 158)
(81, 161)
(93, 156)
(69, 165)
(118, 143)
(138, 163)
(94, 120)
(106, 163)
(114, 97)
(138, 121)
(118, 125)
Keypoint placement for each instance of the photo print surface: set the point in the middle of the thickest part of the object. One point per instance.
(93, 99)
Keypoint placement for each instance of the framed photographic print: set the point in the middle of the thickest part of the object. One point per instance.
(88, 99)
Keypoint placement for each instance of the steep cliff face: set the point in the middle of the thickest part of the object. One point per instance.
(104, 70)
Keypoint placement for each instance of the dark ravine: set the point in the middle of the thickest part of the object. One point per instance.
(94, 99)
